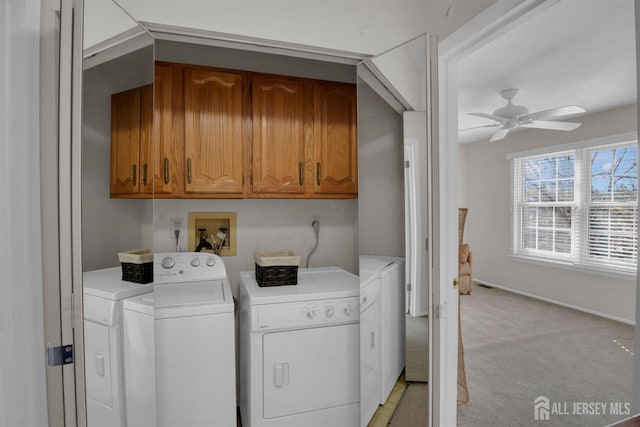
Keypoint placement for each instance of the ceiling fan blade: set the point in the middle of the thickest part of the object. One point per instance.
(488, 116)
(480, 127)
(544, 124)
(500, 134)
(554, 113)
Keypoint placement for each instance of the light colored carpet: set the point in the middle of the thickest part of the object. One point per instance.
(417, 358)
(518, 348)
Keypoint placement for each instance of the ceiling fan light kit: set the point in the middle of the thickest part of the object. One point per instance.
(513, 116)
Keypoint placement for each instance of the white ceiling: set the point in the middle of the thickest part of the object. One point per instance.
(575, 52)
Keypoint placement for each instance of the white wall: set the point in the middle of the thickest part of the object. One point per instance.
(488, 222)
(363, 26)
(463, 165)
(267, 225)
(22, 363)
(404, 68)
(103, 19)
(381, 176)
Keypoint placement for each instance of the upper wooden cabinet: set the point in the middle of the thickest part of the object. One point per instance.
(144, 147)
(278, 135)
(167, 149)
(335, 138)
(129, 132)
(200, 131)
(213, 114)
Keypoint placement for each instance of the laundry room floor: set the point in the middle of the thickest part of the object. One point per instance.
(385, 412)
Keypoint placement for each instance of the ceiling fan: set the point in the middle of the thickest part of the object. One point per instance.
(513, 116)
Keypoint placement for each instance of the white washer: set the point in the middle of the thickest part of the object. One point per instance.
(299, 351)
(195, 341)
(103, 292)
(139, 361)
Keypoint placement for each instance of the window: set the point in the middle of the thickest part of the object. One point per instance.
(578, 206)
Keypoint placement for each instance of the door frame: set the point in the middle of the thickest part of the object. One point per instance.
(62, 267)
(494, 21)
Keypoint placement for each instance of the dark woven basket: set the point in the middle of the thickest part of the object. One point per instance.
(137, 273)
(278, 275)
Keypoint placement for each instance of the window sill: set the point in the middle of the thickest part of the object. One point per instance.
(567, 265)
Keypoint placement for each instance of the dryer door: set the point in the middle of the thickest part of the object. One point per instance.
(310, 369)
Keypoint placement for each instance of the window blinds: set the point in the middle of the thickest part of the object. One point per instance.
(610, 199)
(578, 207)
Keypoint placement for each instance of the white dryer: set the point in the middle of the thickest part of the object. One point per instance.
(299, 360)
(103, 293)
(387, 274)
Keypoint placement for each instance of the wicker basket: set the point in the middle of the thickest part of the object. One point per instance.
(276, 268)
(137, 265)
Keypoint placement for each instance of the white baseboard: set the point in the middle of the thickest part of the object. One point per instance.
(563, 304)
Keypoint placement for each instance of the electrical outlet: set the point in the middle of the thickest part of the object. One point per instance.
(175, 224)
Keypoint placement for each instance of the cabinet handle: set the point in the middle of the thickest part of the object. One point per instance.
(372, 339)
(189, 171)
(133, 175)
(166, 170)
(300, 179)
(143, 172)
(318, 173)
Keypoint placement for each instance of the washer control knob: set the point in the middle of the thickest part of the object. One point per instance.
(328, 311)
(195, 262)
(311, 314)
(211, 261)
(347, 311)
(168, 262)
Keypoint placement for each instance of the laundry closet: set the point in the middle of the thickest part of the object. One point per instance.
(365, 215)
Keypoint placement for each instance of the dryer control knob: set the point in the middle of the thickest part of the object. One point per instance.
(168, 262)
(347, 310)
(328, 311)
(311, 314)
(195, 262)
(211, 261)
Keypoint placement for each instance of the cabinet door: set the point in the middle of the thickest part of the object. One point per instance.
(213, 131)
(125, 142)
(278, 134)
(160, 168)
(335, 138)
(146, 164)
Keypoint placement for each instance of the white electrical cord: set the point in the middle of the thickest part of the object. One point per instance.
(316, 230)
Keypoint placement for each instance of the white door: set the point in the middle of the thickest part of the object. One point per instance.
(417, 224)
(443, 332)
(61, 65)
(310, 369)
(388, 77)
